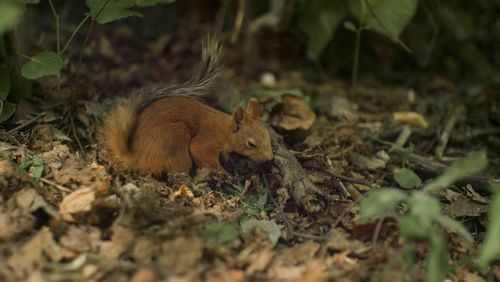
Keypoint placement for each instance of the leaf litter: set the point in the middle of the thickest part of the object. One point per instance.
(67, 214)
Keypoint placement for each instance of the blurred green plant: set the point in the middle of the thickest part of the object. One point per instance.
(50, 62)
(424, 217)
(319, 20)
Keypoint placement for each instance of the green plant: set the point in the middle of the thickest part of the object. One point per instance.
(319, 20)
(49, 62)
(424, 217)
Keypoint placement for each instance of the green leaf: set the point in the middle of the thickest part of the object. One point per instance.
(454, 226)
(36, 168)
(114, 10)
(4, 82)
(424, 209)
(437, 259)
(319, 20)
(407, 179)
(7, 109)
(490, 249)
(388, 17)
(43, 64)
(145, 3)
(350, 26)
(474, 162)
(379, 201)
(23, 1)
(222, 232)
(270, 227)
(9, 15)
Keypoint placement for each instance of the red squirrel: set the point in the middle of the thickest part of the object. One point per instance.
(165, 128)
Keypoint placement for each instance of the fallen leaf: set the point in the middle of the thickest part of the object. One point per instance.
(292, 113)
(341, 241)
(35, 254)
(261, 261)
(79, 201)
(299, 253)
(410, 118)
(183, 191)
(145, 274)
(120, 241)
(270, 227)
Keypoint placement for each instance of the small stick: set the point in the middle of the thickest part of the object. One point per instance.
(238, 21)
(402, 138)
(59, 187)
(28, 123)
(345, 178)
(448, 128)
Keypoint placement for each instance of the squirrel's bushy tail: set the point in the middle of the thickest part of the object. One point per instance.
(115, 133)
(209, 74)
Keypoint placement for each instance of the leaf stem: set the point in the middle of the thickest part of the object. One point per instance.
(58, 27)
(355, 63)
(74, 33)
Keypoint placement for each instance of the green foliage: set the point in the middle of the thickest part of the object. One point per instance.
(491, 246)
(379, 201)
(43, 64)
(387, 17)
(9, 15)
(222, 232)
(115, 10)
(424, 215)
(118, 9)
(473, 163)
(319, 20)
(7, 109)
(407, 179)
(437, 260)
(34, 166)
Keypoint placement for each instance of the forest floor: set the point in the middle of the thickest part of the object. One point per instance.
(67, 215)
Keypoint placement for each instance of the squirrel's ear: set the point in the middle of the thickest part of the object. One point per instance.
(253, 108)
(238, 116)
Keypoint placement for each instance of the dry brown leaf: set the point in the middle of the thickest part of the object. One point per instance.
(145, 274)
(410, 118)
(299, 253)
(181, 254)
(233, 275)
(79, 201)
(14, 222)
(315, 271)
(262, 260)
(292, 113)
(120, 241)
(183, 191)
(341, 241)
(35, 254)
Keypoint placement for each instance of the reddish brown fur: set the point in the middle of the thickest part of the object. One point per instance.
(172, 133)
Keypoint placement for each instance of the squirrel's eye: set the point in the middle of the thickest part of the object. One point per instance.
(251, 144)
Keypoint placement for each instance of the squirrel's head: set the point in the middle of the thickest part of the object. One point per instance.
(250, 137)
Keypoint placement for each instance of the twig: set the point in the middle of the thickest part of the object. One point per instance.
(240, 15)
(448, 128)
(402, 138)
(73, 130)
(28, 123)
(377, 231)
(59, 187)
(345, 178)
(221, 16)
